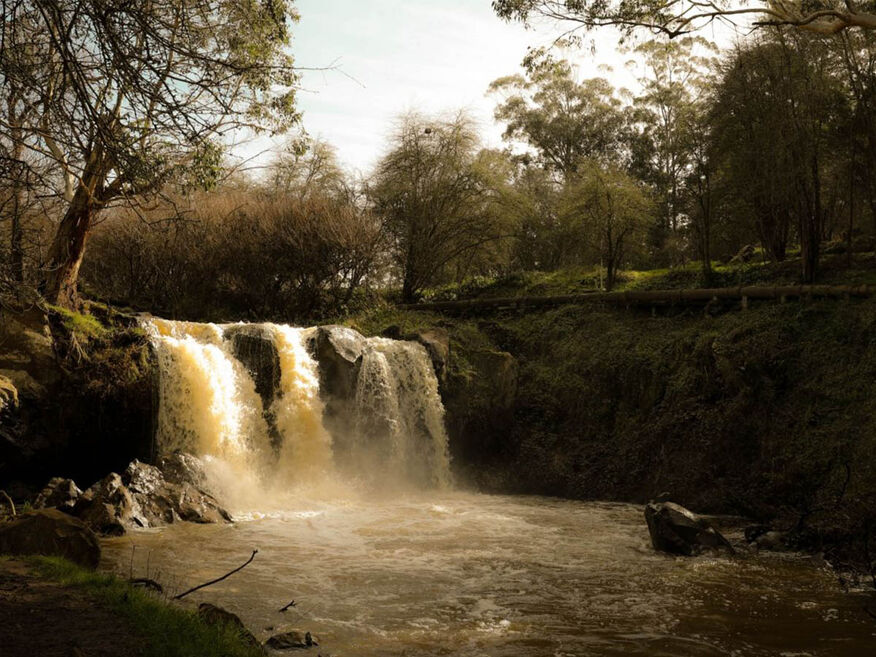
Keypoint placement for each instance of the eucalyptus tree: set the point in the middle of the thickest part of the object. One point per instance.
(664, 128)
(437, 196)
(561, 118)
(306, 168)
(123, 98)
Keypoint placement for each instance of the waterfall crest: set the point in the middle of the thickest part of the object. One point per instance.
(253, 398)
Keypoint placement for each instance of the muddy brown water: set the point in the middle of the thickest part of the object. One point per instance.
(467, 574)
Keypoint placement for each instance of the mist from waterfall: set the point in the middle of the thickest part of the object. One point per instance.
(263, 439)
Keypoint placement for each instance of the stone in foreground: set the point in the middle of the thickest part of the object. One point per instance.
(676, 530)
(213, 615)
(52, 533)
(293, 640)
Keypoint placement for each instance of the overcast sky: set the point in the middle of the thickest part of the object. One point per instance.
(430, 55)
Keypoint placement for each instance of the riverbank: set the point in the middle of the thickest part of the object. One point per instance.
(766, 412)
(53, 608)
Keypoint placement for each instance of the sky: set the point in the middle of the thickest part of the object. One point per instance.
(391, 56)
(387, 57)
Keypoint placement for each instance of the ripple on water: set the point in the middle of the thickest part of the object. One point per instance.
(497, 576)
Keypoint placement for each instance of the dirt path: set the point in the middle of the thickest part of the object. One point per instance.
(41, 618)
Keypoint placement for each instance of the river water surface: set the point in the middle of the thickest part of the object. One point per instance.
(455, 573)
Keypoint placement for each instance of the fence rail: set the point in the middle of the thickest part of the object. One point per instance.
(658, 297)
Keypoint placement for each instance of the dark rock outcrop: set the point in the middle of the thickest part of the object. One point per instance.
(107, 507)
(213, 615)
(141, 497)
(676, 530)
(294, 640)
(253, 345)
(338, 350)
(53, 533)
(59, 493)
(162, 502)
(183, 468)
(437, 343)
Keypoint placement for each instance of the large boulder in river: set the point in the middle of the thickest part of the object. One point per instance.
(59, 493)
(677, 530)
(8, 396)
(338, 350)
(53, 533)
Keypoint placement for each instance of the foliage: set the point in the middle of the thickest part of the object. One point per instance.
(124, 99)
(438, 198)
(674, 19)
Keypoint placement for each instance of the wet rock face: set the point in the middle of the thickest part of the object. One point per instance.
(338, 350)
(53, 533)
(437, 343)
(182, 468)
(253, 345)
(676, 530)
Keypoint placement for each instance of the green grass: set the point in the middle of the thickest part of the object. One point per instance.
(168, 630)
(835, 270)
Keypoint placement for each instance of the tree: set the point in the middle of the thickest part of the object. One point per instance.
(614, 207)
(664, 130)
(306, 168)
(128, 96)
(562, 119)
(679, 17)
(436, 197)
(774, 113)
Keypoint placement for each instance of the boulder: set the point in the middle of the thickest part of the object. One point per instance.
(183, 468)
(107, 507)
(213, 615)
(162, 502)
(53, 533)
(338, 350)
(59, 493)
(677, 530)
(437, 343)
(294, 640)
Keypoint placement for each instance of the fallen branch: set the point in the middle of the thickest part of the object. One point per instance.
(8, 501)
(218, 579)
(291, 604)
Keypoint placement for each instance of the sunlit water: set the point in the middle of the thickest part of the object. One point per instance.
(465, 574)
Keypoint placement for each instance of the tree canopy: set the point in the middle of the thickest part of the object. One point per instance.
(677, 17)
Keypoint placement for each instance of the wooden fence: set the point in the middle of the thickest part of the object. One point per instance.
(656, 297)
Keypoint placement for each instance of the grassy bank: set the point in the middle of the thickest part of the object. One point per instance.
(162, 629)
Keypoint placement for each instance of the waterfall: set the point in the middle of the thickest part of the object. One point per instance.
(252, 399)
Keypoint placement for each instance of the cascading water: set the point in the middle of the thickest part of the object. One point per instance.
(221, 399)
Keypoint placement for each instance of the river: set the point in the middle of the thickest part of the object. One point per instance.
(453, 573)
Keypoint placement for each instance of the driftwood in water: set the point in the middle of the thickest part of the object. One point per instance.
(658, 297)
(218, 579)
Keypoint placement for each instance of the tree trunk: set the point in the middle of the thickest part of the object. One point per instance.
(67, 251)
